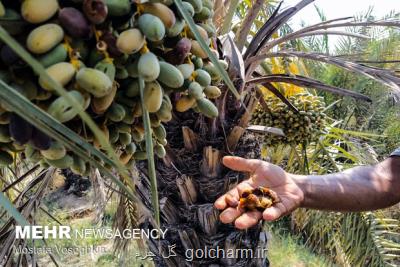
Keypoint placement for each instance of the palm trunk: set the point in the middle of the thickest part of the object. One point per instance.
(191, 178)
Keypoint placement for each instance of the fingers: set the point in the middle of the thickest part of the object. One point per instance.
(225, 200)
(271, 214)
(231, 201)
(241, 164)
(231, 198)
(229, 215)
(242, 220)
(275, 212)
(248, 219)
(221, 203)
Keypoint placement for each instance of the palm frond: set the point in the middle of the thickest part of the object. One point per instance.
(26, 203)
(21, 178)
(307, 82)
(387, 77)
(278, 94)
(9, 207)
(271, 26)
(150, 157)
(327, 25)
(246, 23)
(228, 18)
(236, 64)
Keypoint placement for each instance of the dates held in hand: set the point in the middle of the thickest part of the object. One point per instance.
(259, 199)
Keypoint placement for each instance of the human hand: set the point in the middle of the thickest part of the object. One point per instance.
(263, 174)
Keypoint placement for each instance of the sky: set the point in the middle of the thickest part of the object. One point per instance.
(337, 9)
(341, 8)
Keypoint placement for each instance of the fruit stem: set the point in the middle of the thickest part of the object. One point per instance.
(140, 9)
(144, 49)
(185, 31)
(73, 56)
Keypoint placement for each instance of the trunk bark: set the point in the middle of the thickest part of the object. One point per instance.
(190, 179)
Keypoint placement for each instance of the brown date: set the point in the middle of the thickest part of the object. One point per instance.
(20, 129)
(95, 10)
(259, 199)
(74, 22)
(40, 140)
(180, 52)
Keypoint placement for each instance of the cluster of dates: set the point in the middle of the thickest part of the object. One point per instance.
(100, 51)
(305, 126)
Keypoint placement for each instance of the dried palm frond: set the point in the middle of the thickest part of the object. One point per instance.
(28, 203)
(129, 215)
(99, 194)
(125, 218)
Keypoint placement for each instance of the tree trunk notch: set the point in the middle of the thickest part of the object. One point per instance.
(234, 137)
(251, 102)
(187, 189)
(211, 164)
(190, 139)
(210, 181)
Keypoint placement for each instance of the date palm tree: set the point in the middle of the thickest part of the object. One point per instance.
(192, 177)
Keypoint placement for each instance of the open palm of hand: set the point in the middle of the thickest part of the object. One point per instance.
(261, 174)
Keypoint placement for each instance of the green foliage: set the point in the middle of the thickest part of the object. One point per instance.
(379, 117)
(286, 249)
(349, 239)
(392, 131)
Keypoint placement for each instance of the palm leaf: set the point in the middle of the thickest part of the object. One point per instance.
(236, 64)
(9, 207)
(307, 82)
(325, 32)
(271, 26)
(255, 42)
(150, 157)
(245, 26)
(226, 26)
(386, 77)
(278, 94)
(327, 25)
(34, 193)
(21, 178)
